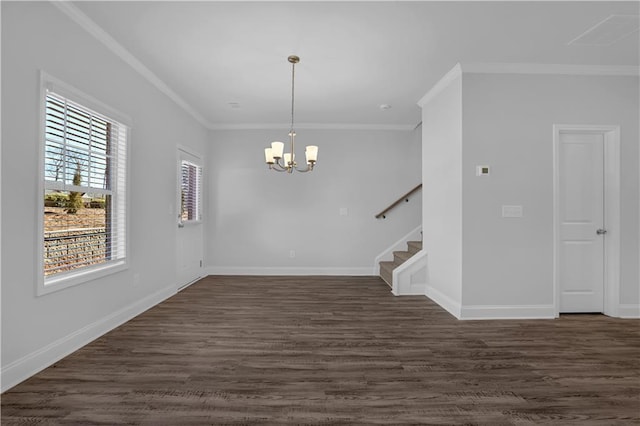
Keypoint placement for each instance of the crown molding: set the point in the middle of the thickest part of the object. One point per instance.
(557, 69)
(523, 68)
(312, 126)
(95, 30)
(442, 84)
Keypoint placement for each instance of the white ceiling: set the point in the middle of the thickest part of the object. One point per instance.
(354, 55)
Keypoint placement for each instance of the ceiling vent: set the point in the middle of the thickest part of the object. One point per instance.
(609, 31)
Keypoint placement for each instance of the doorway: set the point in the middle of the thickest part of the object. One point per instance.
(189, 238)
(586, 219)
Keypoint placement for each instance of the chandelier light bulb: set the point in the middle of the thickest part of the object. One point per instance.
(268, 155)
(311, 153)
(277, 148)
(288, 160)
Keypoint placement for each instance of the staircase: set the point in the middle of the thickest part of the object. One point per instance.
(399, 257)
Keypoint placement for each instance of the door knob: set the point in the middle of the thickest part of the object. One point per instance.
(601, 231)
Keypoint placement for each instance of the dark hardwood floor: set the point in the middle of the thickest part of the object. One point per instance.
(336, 350)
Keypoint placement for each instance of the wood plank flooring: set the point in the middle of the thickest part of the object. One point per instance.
(336, 350)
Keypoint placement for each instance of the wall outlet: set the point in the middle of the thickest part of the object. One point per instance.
(292, 254)
(344, 211)
(136, 279)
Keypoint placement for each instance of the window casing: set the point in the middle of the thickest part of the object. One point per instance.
(83, 197)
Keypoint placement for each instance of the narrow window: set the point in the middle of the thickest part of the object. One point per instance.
(84, 203)
(191, 192)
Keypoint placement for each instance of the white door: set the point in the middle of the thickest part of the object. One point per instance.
(189, 220)
(581, 222)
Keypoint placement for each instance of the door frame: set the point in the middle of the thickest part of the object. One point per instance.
(176, 211)
(611, 137)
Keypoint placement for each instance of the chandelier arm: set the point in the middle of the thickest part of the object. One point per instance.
(271, 166)
(279, 168)
(308, 169)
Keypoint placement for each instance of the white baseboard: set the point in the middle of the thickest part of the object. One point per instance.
(30, 364)
(631, 310)
(447, 303)
(283, 270)
(416, 290)
(487, 312)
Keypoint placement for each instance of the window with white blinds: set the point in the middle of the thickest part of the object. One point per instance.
(191, 191)
(84, 181)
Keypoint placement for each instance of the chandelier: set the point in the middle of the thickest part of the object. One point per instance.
(286, 162)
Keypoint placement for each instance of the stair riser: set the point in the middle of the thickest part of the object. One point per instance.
(387, 276)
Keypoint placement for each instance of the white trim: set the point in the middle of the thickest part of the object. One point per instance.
(284, 270)
(402, 276)
(577, 41)
(628, 310)
(611, 135)
(69, 9)
(30, 364)
(524, 68)
(387, 254)
(442, 84)
(189, 284)
(53, 84)
(612, 219)
(312, 126)
(39, 235)
(486, 312)
(81, 276)
(191, 152)
(445, 302)
(556, 69)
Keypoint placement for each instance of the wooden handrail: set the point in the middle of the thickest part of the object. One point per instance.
(405, 197)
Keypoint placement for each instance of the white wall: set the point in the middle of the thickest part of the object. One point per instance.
(508, 125)
(259, 216)
(442, 194)
(38, 36)
(506, 121)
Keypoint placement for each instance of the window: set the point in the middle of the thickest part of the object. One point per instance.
(190, 191)
(84, 200)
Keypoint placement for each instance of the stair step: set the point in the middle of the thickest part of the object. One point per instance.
(399, 257)
(414, 246)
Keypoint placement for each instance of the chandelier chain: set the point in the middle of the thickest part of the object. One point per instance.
(293, 79)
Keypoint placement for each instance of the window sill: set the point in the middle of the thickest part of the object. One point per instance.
(71, 279)
(190, 223)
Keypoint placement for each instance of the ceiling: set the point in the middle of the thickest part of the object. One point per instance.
(228, 60)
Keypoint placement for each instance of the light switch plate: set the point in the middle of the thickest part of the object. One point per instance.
(344, 211)
(511, 211)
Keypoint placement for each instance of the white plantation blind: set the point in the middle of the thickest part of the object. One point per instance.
(85, 188)
(191, 191)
